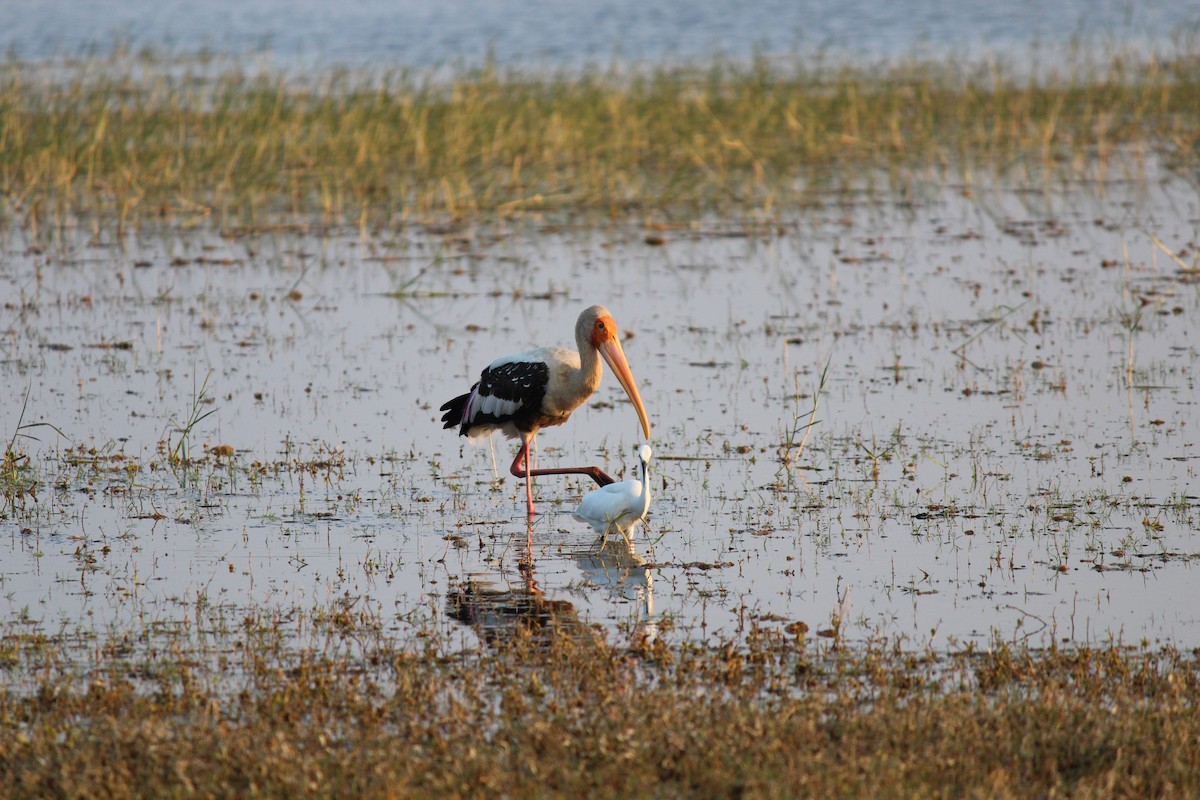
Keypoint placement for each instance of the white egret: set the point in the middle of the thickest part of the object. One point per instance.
(618, 506)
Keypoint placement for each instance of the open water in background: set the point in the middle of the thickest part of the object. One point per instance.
(302, 34)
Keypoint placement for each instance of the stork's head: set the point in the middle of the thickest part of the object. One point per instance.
(598, 328)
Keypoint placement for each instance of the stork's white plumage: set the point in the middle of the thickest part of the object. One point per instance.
(520, 394)
(618, 506)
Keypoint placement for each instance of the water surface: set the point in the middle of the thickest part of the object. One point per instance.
(375, 33)
(1005, 444)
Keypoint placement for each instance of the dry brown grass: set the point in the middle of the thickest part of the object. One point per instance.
(552, 715)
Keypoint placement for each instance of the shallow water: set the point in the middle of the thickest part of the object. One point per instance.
(1005, 445)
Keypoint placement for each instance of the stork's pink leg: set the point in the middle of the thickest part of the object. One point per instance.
(601, 477)
(520, 468)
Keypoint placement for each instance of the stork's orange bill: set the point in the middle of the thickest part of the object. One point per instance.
(614, 355)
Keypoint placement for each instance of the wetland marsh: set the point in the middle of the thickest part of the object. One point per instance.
(918, 354)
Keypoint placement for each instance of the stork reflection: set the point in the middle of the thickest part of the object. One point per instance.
(503, 605)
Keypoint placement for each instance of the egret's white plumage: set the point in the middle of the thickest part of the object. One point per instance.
(618, 506)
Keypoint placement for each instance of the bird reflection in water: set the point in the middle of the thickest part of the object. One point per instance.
(615, 564)
(521, 609)
(500, 610)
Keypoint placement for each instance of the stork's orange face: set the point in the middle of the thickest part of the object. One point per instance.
(606, 340)
(605, 330)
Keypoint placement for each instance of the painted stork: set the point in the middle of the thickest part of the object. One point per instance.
(523, 393)
(618, 506)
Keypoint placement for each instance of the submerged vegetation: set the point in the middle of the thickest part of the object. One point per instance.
(138, 141)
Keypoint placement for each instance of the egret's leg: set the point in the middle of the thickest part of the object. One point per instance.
(628, 541)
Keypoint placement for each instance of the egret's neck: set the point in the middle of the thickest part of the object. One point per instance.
(645, 487)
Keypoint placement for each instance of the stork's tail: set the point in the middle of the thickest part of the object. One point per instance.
(455, 411)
